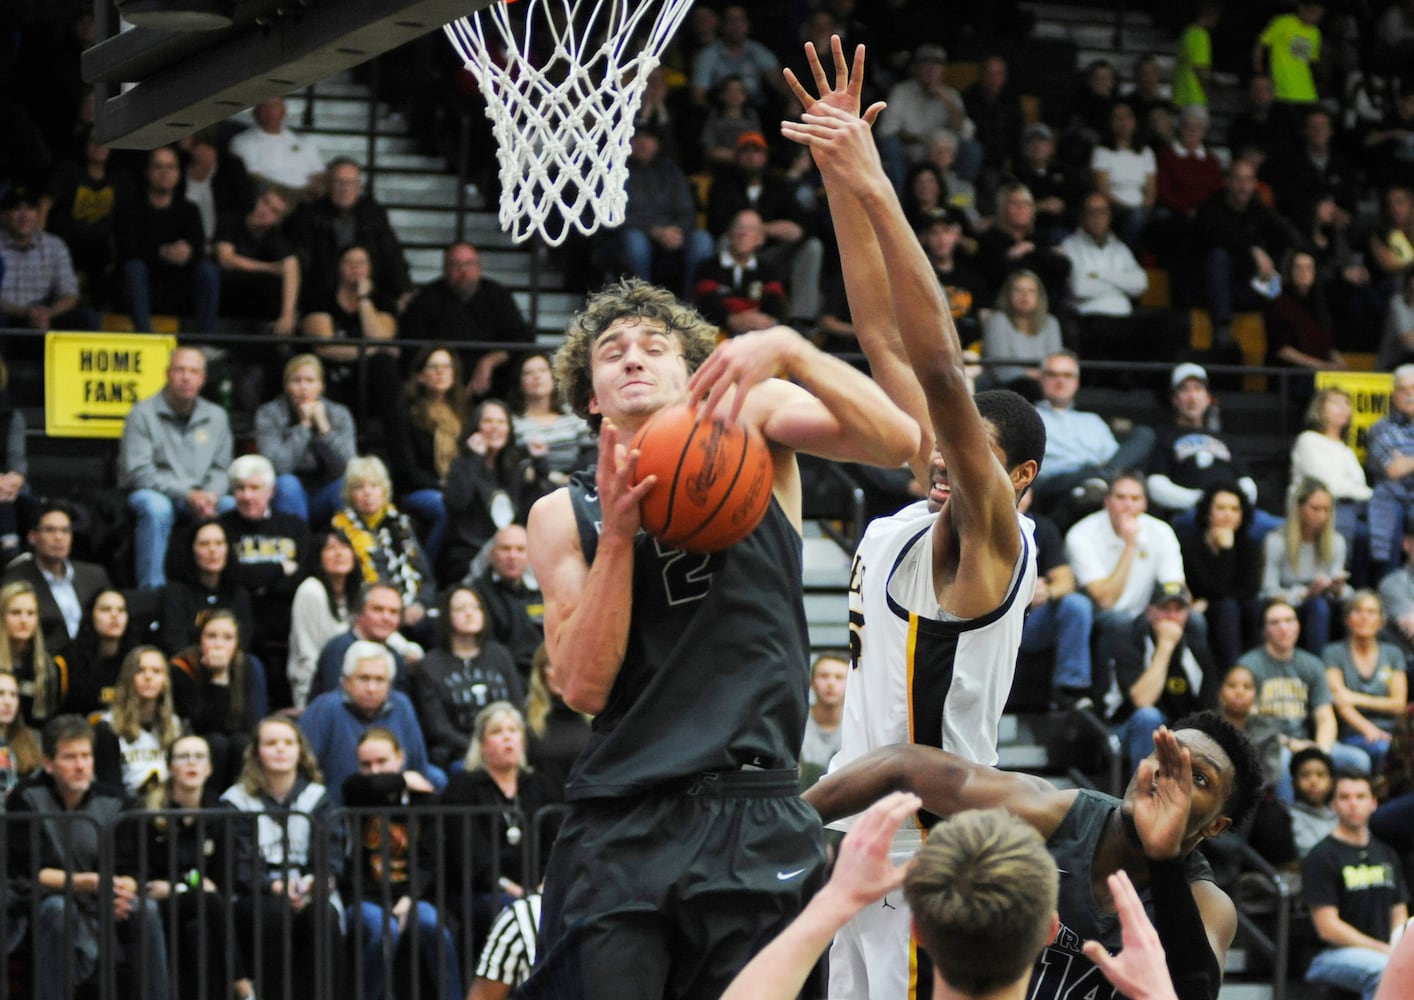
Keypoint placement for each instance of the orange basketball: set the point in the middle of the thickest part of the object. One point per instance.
(714, 479)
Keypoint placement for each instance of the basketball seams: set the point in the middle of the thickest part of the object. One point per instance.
(715, 507)
(683, 453)
(742, 454)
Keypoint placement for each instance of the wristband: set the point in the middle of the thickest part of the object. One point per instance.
(1191, 963)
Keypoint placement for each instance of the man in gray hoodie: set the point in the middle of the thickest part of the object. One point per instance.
(172, 460)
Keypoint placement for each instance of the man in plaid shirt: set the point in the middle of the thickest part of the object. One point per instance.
(39, 289)
(1389, 457)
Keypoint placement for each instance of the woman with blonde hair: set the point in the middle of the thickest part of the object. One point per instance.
(557, 733)
(19, 744)
(1368, 679)
(308, 439)
(43, 685)
(382, 537)
(286, 806)
(131, 739)
(1322, 451)
(1013, 244)
(1304, 562)
(428, 432)
(1020, 329)
(498, 775)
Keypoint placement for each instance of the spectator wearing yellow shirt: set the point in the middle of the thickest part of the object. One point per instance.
(1193, 64)
(1292, 44)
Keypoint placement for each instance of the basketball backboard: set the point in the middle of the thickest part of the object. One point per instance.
(154, 87)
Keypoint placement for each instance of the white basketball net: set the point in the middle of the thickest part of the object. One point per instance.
(563, 128)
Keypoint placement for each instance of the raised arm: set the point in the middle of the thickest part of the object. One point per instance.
(866, 277)
(984, 498)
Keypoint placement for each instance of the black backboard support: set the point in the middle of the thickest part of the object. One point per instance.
(154, 87)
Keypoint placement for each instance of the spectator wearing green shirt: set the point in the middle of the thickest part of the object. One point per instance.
(1291, 44)
(1193, 65)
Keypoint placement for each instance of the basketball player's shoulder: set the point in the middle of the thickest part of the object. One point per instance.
(552, 524)
(913, 515)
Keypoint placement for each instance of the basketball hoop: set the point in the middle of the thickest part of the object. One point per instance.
(562, 128)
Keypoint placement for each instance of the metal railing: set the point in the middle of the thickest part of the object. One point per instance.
(192, 930)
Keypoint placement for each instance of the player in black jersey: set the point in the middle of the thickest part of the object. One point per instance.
(1202, 778)
(983, 894)
(685, 848)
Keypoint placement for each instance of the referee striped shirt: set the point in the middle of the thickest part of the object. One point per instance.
(510, 947)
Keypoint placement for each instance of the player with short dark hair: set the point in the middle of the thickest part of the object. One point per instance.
(1202, 779)
(938, 591)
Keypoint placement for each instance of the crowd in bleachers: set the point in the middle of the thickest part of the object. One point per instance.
(384, 600)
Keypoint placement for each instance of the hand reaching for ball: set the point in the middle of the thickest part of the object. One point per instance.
(619, 495)
(738, 364)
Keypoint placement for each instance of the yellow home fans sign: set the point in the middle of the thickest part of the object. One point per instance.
(92, 380)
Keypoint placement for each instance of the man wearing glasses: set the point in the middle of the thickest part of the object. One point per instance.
(1082, 454)
(63, 586)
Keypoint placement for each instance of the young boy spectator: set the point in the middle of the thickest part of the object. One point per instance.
(1313, 782)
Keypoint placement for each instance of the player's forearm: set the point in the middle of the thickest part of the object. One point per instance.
(871, 428)
(867, 288)
(588, 646)
(780, 969)
(1195, 970)
(919, 304)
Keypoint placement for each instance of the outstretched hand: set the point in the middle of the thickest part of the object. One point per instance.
(1163, 797)
(833, 129)
(1139, 970)
(849, 82)
(863, 872)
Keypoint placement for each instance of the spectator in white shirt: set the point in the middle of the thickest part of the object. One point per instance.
(1119, 554)
(280, 155)
(919, 107)
(1104, 281)
(1321, 452)
(1125, 171)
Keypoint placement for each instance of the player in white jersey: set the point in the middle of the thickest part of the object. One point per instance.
(942, 587)
(920, 674)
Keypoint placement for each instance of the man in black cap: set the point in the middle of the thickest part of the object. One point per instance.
(1161, 673)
